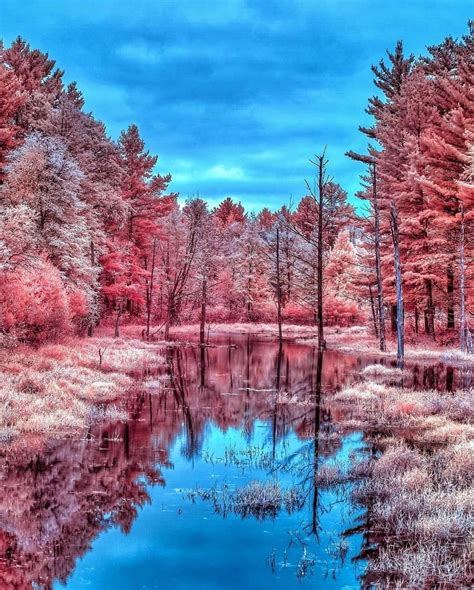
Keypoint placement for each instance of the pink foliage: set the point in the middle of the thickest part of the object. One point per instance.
(34, 304)
(297, 314)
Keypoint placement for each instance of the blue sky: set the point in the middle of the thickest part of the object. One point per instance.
(234, 95)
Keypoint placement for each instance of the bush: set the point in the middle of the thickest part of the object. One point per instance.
(297, 314)
(34, 304)
(342, 312)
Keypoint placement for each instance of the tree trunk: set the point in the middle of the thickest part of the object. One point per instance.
(398, 286)
(468, 341)
(374, 316)
(202, 327)
(321, 163)
(450, 291)
(416, 320)
(430, 310)
(462, 286)
(90, 327)
(117, 323)
(170, 314)
(278, 285)
(393, 317)
(378, 265)
(149, 298)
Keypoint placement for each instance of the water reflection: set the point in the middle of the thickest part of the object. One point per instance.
(107, 511)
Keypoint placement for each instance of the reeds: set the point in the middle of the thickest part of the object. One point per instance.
(419, 490)
(258, 499)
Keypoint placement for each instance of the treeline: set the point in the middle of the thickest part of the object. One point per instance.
(419, 190)
(89, 232)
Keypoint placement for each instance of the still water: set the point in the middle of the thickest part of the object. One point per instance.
(148, 503)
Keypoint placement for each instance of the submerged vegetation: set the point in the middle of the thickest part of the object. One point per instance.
(258, 499)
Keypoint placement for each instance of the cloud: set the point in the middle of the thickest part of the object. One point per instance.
(224, 172)
(234, 96)
(139, 51)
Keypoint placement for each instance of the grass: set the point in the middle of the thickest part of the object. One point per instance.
(258, 499)
(251, 457)
(360, 342)
(61, 389)
(419, 489)
(381, 371)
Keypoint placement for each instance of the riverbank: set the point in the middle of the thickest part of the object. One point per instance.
(60, 390)
(353, 340)
(419, 480)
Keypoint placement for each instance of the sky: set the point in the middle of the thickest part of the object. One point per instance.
(235, 96)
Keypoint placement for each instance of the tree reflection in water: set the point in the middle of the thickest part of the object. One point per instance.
(56, 500)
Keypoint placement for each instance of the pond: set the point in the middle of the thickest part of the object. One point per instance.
(211, 484)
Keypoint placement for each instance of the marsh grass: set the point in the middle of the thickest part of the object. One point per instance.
(251, 457)
(364, 345)
(418, 488)
(382, 372)
(60, 389)
(258, 499)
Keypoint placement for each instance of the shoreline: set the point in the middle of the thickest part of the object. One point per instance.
(345, 340)
(59, 390)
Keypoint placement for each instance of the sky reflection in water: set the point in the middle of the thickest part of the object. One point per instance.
(113, 512)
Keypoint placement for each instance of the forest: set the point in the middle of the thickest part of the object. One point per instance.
(90, 233)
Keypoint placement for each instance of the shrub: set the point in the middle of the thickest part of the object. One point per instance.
(296, 314)
(34, 304)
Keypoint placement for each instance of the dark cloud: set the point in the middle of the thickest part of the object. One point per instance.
(235, 96)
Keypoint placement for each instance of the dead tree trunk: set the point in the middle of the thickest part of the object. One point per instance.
(149, 298)
(398, 285)
(278, 286)
(321, 163)
(202, 327)
(372, 164)
(378, 263)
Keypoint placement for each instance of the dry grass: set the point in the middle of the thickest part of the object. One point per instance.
(424, 418)
(383, 372)
(419, 493)
(367, 346)
(59, 390)
(258, 499)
